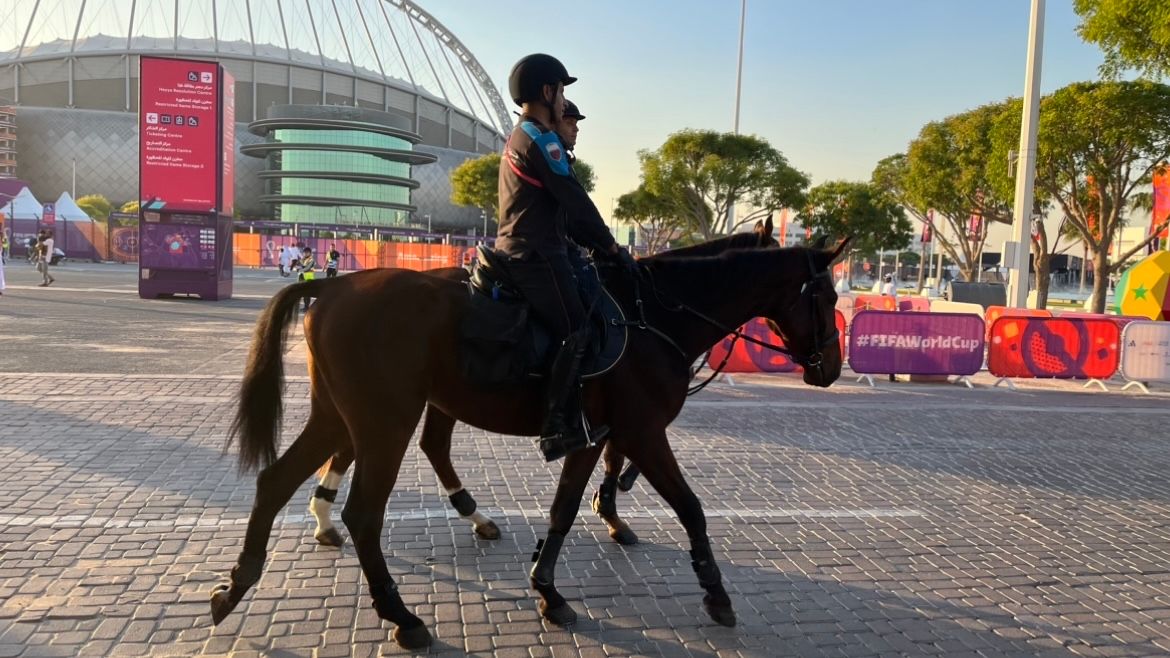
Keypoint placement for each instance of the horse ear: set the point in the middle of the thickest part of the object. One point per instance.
(758, 229)
(821, 242)
(768, 227)
(840, 252)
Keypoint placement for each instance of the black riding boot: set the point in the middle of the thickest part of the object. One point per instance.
(565, 429)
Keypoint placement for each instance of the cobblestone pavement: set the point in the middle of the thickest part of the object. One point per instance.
(908, 519)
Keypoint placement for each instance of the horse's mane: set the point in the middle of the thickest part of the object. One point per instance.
(741, 264)
(708, 248)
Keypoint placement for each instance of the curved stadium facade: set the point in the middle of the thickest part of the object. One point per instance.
(411, 99)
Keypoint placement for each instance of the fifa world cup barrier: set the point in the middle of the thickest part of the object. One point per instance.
(892, 342)
(1145, 353)
(1054, 348)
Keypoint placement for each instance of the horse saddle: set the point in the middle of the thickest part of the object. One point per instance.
(500, 341)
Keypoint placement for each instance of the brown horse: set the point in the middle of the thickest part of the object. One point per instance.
(438, 426)
(384, 343)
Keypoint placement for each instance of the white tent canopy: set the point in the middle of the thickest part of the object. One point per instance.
(23, 206)
(68, 210)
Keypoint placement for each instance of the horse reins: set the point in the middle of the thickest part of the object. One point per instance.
(815, 359)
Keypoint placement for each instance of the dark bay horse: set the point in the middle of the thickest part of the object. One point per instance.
(438, 426)
(383, 344)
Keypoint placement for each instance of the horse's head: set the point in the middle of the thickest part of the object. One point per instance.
(804, 315)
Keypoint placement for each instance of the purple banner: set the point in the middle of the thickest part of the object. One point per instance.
(885, 342)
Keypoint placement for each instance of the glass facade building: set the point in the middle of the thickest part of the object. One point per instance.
(337, 165)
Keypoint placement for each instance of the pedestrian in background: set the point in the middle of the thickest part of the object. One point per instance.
(308, 269)
(334, 257)
(44, 258)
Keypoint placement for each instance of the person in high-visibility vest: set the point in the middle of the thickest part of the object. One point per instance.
(308, 269)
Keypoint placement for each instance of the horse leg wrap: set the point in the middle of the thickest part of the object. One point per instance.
(462, 502)
(607, 498)
(388, 603)
(547, 550)
(703, 562)
(328, 495)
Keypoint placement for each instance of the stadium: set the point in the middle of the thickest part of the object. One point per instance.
(349, 112)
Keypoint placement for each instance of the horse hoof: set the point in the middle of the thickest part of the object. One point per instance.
(414, 638)
(623, 535)
(561, 615)
(221, 603)
(721, 614)
(330, 537)
(487, 530)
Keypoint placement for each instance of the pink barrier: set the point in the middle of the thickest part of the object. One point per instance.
(885, 342)
(749, 357)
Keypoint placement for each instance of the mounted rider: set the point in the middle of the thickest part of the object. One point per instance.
(536, 182)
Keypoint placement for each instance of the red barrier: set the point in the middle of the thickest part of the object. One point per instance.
(1054, 348)
(1121, 320)
(749, 357)
(994, 313)
(874, 303)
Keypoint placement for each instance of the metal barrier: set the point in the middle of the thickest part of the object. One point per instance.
(888, 343)
(1145, 353)
(1054, 348)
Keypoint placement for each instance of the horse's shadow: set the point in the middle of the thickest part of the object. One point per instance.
(644, 600)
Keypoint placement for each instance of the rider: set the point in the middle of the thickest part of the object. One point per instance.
(535, 182)
(567, 130)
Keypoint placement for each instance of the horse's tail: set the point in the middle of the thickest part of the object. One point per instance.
(257, 421)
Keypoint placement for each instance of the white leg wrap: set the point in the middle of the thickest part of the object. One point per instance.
(321, 508)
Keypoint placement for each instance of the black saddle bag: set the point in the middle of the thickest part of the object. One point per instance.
(496, 342)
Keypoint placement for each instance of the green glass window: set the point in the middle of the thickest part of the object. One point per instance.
(341, 137)
(340, 189)
(358, 163)
(350, 215)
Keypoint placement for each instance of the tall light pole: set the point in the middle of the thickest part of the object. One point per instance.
(738, 88)
(1026, 168)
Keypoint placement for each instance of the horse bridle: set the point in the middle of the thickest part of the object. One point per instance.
(814, 360)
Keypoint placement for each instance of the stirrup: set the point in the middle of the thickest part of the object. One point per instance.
(555, 446)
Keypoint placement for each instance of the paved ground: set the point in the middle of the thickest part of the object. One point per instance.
(907, 519)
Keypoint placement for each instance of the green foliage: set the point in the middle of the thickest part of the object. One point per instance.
(476, 183)
(653, 215)
(1098, 145)
(1133, 33)
(585, 174)
(95, 205)
(130, 207)
(703, 173)
(846, 208)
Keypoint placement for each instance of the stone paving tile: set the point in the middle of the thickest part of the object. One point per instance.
(906, 520)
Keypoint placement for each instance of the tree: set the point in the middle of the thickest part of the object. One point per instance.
(653, 215)
(1099, 144)
(703, 173)
(130, 207)
(476, 183)
(1133, 34)
(585, 174)
(845, 208)
(96, 206)
(947, 169)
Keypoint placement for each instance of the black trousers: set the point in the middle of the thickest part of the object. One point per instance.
(547, 281)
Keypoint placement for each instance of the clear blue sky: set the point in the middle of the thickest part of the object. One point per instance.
(835, 86)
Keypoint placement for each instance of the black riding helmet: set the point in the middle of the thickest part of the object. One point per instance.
(530, 75)
(571, 111)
